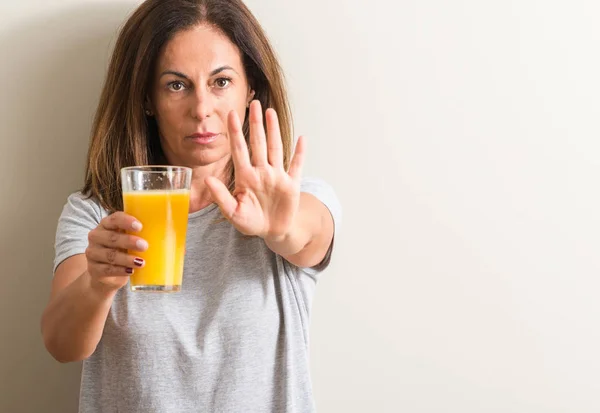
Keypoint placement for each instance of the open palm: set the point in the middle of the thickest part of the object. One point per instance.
(266, 197)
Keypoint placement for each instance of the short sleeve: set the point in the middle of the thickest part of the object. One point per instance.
(324, 193)
(79, 216)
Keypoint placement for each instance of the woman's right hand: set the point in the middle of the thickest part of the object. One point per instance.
(109, 264)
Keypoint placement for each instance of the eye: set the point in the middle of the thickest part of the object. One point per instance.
(176, 86)
(222, 82)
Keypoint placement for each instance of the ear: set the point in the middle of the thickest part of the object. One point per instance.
(148, 108)
(250, 97)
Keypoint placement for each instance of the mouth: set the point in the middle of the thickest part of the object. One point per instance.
(204, 137)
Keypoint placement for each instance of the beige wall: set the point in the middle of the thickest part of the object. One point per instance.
(462, 138)
(53, 56)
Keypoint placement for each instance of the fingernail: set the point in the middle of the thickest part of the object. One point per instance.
(129, 270)
(138, 261)
(141, 245)
(137, 226)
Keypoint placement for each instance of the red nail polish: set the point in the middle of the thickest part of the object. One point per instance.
(138, 261)
(129, 270)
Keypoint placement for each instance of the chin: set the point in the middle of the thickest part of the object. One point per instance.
(207, 156)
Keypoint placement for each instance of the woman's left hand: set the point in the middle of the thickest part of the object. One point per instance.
(266, 198)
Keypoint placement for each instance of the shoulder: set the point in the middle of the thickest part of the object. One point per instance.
(79, 216)
(325, 193)
(81, 206)
(309, 182)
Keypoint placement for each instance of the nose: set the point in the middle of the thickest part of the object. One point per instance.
(202, 105)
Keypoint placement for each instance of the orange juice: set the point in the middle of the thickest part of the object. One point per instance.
(164, 217)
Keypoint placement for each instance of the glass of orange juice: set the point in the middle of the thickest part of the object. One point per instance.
(158, 197)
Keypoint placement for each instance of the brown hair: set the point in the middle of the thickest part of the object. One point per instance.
(122, 134)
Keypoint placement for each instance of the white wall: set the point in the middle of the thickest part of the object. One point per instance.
(462, 138)
(54, 55)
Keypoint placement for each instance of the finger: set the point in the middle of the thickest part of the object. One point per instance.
(117, 240)
(113, 257)
(274, 144)
(109, 270)
(257, 135)
(221, 195)
(239, 148)
(298, 160)
(120, 220)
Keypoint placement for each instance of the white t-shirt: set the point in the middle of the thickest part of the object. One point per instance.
(235, 339)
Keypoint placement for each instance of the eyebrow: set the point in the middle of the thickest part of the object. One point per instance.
(181, 75)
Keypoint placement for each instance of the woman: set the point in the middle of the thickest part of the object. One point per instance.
(187, 85)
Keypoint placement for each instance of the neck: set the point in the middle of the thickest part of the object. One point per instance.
(200, 196)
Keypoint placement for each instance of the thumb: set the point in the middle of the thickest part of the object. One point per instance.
(221, 195)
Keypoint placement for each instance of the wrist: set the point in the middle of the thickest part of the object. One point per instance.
(277, 238)
(289, 243)
(99, 290)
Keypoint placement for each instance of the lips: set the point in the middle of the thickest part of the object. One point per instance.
(204, 137)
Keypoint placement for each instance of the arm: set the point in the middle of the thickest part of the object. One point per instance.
(310, 236)
(84, 285)
(73, 321)
(268, 201)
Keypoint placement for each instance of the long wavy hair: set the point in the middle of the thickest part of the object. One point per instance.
(123, 135)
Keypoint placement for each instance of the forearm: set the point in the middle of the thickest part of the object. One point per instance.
(73, 322)
(298, 237)
(306, 242)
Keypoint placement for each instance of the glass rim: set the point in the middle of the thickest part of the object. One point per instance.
(156, 168)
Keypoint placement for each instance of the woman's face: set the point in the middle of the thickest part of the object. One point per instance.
(199, 79)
